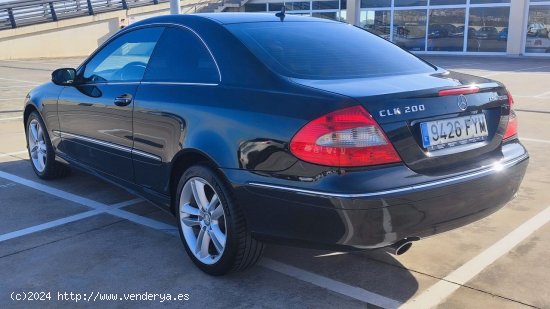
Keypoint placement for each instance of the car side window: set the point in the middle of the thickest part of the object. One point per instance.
(181, 57)
(125, 58)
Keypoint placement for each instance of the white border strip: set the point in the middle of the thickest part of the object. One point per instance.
(438, 292)
(493, 168)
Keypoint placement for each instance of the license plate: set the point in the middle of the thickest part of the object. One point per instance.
(453, 131)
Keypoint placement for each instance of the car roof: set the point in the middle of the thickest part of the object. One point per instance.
(237, 17)
(227, 18)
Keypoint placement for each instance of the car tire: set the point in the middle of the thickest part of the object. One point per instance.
(212, 227)
(40, 149)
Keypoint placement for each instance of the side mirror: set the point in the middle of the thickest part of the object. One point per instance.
(64, 77)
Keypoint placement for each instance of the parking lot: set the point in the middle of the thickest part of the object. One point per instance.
(85, 236)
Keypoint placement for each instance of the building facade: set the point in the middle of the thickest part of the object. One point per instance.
(500, 27)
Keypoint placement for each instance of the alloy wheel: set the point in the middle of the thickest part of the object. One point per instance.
(202, 219)
(37, 145)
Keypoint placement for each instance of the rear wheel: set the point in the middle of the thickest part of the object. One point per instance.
(212, 226)
(41, 153)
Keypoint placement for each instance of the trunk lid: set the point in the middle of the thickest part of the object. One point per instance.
(401, 104)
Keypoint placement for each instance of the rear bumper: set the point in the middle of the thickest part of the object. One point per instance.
(290, 214)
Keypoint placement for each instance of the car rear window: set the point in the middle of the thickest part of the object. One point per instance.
(325, 50)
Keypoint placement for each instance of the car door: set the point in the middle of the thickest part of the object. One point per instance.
(181, 79)
(96, 115)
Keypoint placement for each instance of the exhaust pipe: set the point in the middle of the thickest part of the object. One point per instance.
(401, 246)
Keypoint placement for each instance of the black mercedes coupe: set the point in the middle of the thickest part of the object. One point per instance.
(255, 128)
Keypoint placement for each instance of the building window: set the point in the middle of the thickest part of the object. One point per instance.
(297, 6)
(433, 25)
(255, 7)
(490, 29)
(409, 29)
(537, 34)
(377, 22)
(446, 30)
(326, 15)
(275, 6)
(326, 5)
(447, 2)
(488, 1)
(399, 3)
(375, 3)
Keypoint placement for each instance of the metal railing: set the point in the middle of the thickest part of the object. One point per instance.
(215, 5)
(196, 7)
(27, 12)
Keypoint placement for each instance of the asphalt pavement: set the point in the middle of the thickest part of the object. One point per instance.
(108, 248)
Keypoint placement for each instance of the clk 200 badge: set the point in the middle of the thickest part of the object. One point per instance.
(402, 110)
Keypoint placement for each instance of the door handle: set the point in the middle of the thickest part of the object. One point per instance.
(123, 100)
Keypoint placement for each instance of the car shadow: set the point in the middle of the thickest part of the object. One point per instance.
(375, 271)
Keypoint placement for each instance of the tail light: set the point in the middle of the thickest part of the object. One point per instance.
(512, 127)
(344, 138)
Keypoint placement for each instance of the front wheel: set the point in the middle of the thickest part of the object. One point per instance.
(212, 226)
(41, 152)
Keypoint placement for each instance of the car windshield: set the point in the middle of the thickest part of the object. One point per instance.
(325, 50)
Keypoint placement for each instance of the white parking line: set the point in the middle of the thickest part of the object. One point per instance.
(519, 70)
(11, 118)
(455, 65)
(12, 154)
(87, 202)
(330, 284)
(49, 225)
(62, 221)
(20, 81)
(8, 185)
(530, 97)
(53, 191)
(327, 283)
(542, 95)
(12, 99)
(37, 62)
(16, 86)
(444, 288)
(127, 203)
(154, 224)
(534, 140)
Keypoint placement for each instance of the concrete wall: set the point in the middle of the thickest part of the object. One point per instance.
(74, 37)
